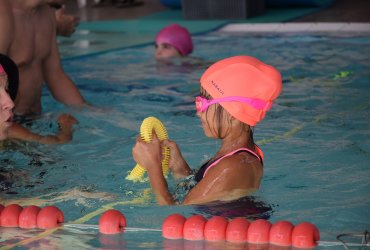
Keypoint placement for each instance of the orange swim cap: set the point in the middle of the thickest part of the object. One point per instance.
(243, 76)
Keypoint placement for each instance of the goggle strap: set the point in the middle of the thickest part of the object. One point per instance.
(254, 102)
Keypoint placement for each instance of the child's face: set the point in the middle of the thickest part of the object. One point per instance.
(210, 124)
(165, 51)
(6, 106)
(207, 120)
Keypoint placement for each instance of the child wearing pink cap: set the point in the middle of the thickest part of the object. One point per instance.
(235, 94)
(10, 130)
(173, 41)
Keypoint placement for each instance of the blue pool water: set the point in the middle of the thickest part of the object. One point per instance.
(315, 139)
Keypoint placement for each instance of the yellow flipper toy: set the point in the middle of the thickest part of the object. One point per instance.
(146, 132)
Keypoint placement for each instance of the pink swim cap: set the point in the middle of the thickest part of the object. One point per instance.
(243, 76)
(178, 36)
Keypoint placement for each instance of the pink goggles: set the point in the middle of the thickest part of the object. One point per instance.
(202, 104)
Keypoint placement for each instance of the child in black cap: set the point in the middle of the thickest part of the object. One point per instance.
(9, 79)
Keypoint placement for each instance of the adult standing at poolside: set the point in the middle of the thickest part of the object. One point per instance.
(29, 37)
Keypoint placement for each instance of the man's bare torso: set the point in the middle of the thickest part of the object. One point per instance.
(34, 31)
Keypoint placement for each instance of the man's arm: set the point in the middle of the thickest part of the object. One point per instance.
(6, 26)
(59, 84)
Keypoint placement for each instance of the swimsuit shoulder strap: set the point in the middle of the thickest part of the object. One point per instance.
(259, 152)
(259, 155)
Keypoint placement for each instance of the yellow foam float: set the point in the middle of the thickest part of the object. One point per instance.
(146, 133)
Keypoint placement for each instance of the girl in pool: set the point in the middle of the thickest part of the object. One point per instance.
(235, 94)
(173, 41)
(8, 129)
(173, 48)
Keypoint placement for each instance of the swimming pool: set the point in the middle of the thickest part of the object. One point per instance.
(315, 139)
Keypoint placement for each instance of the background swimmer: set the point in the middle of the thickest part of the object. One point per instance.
(173, 48)
(173, 41)
(235, 94)
(8, 129)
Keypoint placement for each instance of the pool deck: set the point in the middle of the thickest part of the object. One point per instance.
(339, 11)
(341, 28)
(105, 27)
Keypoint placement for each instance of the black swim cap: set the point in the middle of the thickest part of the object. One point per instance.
(11, 70)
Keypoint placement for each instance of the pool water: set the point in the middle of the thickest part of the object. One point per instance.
(315, 139)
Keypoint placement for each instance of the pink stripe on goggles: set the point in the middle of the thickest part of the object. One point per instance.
(202, 104)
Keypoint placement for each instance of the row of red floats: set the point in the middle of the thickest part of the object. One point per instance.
(176, 226)
(240, 230)
(29, 217)
(217, 228)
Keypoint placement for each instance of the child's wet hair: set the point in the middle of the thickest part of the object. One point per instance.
(219, 115)
(12, 72)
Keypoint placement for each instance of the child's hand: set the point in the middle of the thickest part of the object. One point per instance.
(66, 24)
(177, 164)
(66, 120)
(148, 154)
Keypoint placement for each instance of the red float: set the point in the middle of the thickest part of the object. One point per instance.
(259, 232)
(1, 209)
(173, 226)
(305, 235)
(10, 216)
(112, 222)
(215, 229)
(194, 228)
(28, 217)
(49, 217)
(237, 230)
(281, 233)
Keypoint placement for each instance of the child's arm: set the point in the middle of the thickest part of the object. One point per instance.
(17, 131)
